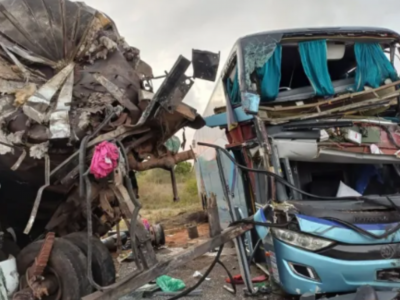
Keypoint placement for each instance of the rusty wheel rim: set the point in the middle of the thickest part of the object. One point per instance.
(23, 284)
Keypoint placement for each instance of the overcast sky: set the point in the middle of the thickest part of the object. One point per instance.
(163, 29)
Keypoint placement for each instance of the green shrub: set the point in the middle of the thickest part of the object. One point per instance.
(183, 168)
(191, 186)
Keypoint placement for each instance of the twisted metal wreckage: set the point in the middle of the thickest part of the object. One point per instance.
(68, 82)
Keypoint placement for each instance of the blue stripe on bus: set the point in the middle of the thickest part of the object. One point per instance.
(222, 120)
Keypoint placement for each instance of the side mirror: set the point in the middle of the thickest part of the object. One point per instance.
(205, 64)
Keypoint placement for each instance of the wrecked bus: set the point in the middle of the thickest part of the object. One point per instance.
(309, 120)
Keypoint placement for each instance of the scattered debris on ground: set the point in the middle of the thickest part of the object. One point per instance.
(213, 288)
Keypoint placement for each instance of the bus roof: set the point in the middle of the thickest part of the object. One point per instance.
(383, 32)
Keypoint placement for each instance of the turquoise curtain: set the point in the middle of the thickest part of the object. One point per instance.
(373, 67)
(233, 89)
(270, 75)
(315, 64)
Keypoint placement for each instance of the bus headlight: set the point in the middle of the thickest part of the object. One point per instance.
(301, 240)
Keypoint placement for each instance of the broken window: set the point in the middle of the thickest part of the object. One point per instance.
(373, 67)
(269, 76)
(231, 81)
(331, 179)
(298, 69)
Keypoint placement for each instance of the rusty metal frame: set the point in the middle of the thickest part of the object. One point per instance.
(172, 90)
(39, 194)
(37, 285)
(43, 256)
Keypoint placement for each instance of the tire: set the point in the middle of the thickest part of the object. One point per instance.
(159, 235)
(66, 261)
(103, 268)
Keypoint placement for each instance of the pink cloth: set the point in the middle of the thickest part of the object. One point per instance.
(104, 160)
(146, 223)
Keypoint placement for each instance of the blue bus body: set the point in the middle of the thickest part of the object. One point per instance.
(319, 252)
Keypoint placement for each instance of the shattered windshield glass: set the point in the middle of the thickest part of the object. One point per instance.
(256, 50)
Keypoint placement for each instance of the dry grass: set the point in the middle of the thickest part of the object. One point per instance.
(156, 195)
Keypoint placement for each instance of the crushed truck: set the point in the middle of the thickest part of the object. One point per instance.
(79, 116)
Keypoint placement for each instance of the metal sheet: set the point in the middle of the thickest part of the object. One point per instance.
(336, 156)
(175, 86)
(297, 150)
(59, 119)
(205, 64)
(37, 105)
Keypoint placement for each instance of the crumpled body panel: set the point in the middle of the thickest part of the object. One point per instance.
(63, 68)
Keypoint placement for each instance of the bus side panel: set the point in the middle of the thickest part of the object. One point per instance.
(208, 178)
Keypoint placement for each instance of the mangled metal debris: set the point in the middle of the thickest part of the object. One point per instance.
(58, 85)
(38, 104)
(65, 81)
(59, 119)
(69, 82)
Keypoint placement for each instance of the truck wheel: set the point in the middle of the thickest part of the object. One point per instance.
(103, 268)
(67, 263)
(159, 235)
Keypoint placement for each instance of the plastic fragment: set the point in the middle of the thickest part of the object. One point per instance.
(197, 274)
(346, 191)
(169, 284)
(262, 231)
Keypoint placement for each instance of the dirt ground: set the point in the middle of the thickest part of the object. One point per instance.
(176, 241)
(178, 222)
(179, 238)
